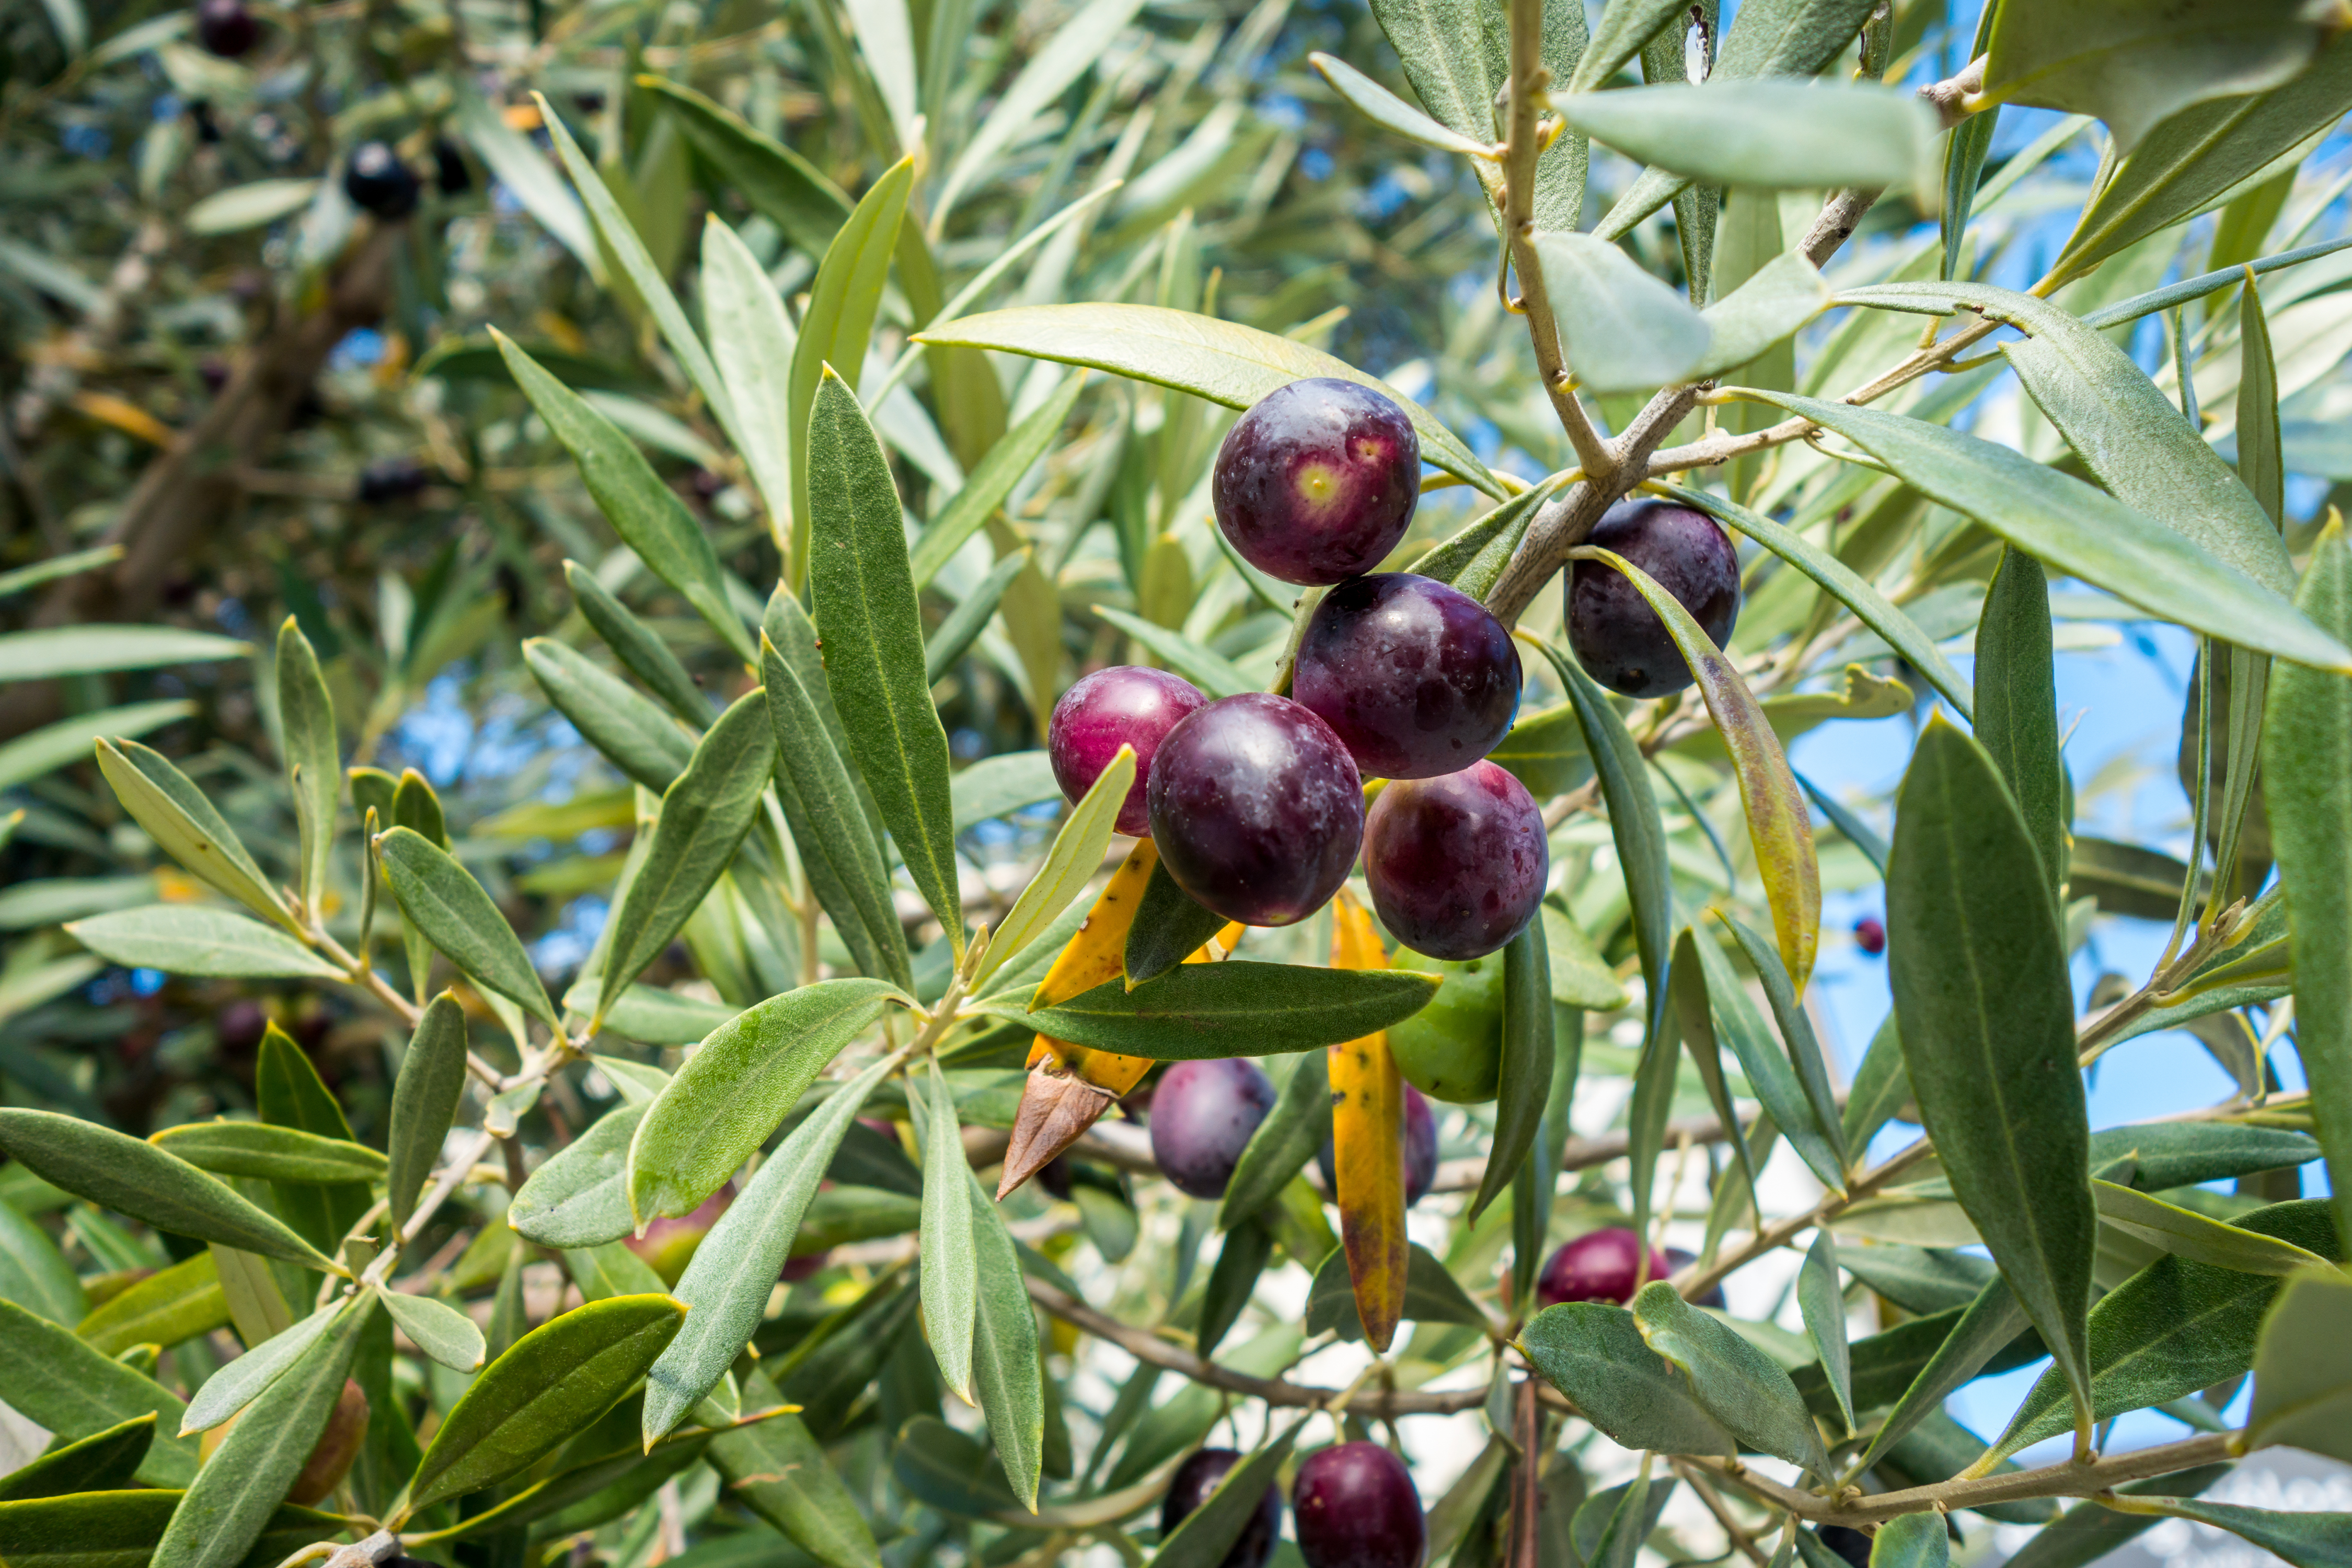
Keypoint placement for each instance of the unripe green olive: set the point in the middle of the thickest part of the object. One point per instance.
(1452, 1048)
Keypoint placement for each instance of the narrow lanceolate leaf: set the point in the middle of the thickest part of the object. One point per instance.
(233, 1497)
(2303, 1368)
(2306, 757)
(111, 1528)
(1204, 1537)
(1785, 134)
(739, 1088)
(968, 619)
(2262, 467)
(819, 797)
(1911, 1541)
(637, 646)
(34, 1274)
(442, 899)
(872, 626)
(1368, 1144)
(2017, 703)
(1979, 969)
(1780, 823)
(1824, 1306)
(1986, 1327)
(314, 763)
(182, 819)
(554, 1381)
(1068, 866)
(2188, 1233)
(123, 1174)
(2078, 530)
(103, 1461)
(1525, 1080)
(778, 181)
(189, 938)
(1742, 1388)
(1620, 328)
(70, 1388)
(1008, 1364)
(579, 1196)
(634, 734)
(752, 341)
(728, 1283)
(778, 1470)
(272, 1154)
(1391, 112)
(1164, 928)
(1289, 1137)
(704, 816)
(2308, 1540)
(440, 1330)
(1796, 1032)
(834, 333)
(243, 1380)
(647, 513)
(1233, 1009)
(1782, 295)
(425, 1103)
(951, 1268)
(985, 487)
(1595, 1354)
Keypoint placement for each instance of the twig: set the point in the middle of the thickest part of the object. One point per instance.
(1715, 1505)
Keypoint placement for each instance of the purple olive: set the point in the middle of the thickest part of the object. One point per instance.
(391, 479)
(1678, 1260)
(1457, 865)
(1415, 676)
(1353, 1506)
(1194, 1479)
(1257, 809)
(1203, 1115)
(1318, 481)
(1618, 638)
(1599, 1265)
(225, 28)
(378, 182)
(1870, 935)
(1419, 1136)
(1124, 705)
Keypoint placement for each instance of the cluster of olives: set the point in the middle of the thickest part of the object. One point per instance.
(1605, 1265)
(1353, 1506)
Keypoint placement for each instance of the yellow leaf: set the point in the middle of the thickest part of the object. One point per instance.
(1368, 1146)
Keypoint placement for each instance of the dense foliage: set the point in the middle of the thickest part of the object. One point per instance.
(599, 599)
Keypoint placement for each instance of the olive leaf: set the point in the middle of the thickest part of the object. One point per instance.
(183, 938)
(65, 1384)
(184, 823)
(950, 1258)
(424, 1098)
(314, 763)
(1743, 1389)
(633, 734)
(1233, 1009)
(273, 1153)
(441, 899)
(1595, 1354)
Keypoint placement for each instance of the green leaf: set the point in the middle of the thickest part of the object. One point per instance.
(640, 740)
(1524, 1080)
(638, 646)
(1765, 135)
(1921, 1280)
(1391, 112)
(1001, 785)
(963, 626)
(2187, 1153)
(647, 513)
(738, 1089)
(229, 1504)
(1824, 1306)
(2306, 756)
(1622, 329)
(950, 1277)
(1008, 1365)
(1204, 1537)
(1474, 559)
(834, 328)
(1220, 361)
(190, 938)
(54, 746)
(138, 1179)
(167, 1306)
(243, 1380)
(553, 1382)
(1167, 928)
(578, 1195)
(1209, 670)
(1777, 300)
(610, 1269)
(1979, 969)
(1739, 1385)
(2204, 284)
(2134, 68)
(50, 651)
(440, 1330)
(987, 485)
(104, 1461)
(1233, 1009)
(1241, 1262)
(844, 869)
(1796, 1032)
(1076, 856)
(2174, 1327)
(1580, 977)
(526, 172)
(872, 628)
(2201, 154)
(2084, 532)
(2188, 1233)
(1073, 50)
(732, 1273)
(2131, 437)
(314, 762)
(1289, 1137)
(1986, 1330)
(2086, 1533)
(1770, 1076)
(2308, 1540)
(1911, 1541)
(121, 1530)
(34, 1274)
(76, 1392)
(942, 1468)
(704, 816)
(752, 341)
(776, 1469)
(183, 822)
(1881, 1087)
(1432, 1295)
(1788, 37)
(779, 182)
(2017, 703)
(1595, 1354)
(249, 206)
(273, 1153)
(441, 899)
(424, 1100)
(2262, 467)
(2303, 1368)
